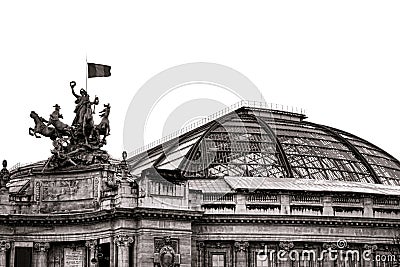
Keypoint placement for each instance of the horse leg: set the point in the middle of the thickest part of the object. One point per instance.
(30, 131)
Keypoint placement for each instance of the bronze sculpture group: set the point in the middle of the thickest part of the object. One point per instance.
(80, 143)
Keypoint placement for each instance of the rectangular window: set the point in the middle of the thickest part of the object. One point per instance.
(218, 260)
(23, 257)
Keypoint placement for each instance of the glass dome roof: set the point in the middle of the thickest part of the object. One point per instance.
(260, 142)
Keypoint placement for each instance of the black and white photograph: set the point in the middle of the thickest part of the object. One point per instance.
(200, 133)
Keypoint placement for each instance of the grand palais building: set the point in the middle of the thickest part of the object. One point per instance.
(253, 186)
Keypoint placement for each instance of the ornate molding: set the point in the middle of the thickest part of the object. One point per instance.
(4, 245)
(241, 246)
(123, 240)
(41, 246)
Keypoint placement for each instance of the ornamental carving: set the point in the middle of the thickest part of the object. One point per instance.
(241, 246)
(41, 246)
(166, 251)
(286, 245)
(4, 245)
(200, 246)
(167, 256)
(91, 244)
(123, 240)
(370, 247)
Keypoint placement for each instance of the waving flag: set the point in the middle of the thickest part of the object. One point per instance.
(98, 70)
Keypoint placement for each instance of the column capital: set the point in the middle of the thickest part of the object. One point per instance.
(241, 246)
(91, 244)
(41, 246)
(371, 247)
(200, 245)
(123, 240)
(4, 245)
(286, 245)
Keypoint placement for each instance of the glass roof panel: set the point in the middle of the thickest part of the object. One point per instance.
(251, 142)
(236, 147)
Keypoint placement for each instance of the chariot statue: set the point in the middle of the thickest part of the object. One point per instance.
(80, 143)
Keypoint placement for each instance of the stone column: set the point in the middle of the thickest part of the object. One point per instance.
(241, 253)
(123, 243)
(91, 246)
(200, 249)
(330, 254)
(368, 255)
(4, 246)
(283, 253)
(41, 249)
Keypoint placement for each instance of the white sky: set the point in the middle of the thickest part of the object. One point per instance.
(340, 60)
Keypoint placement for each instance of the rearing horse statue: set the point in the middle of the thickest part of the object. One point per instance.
(41, 128)
(103, 128)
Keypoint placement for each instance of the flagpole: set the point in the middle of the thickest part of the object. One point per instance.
(86, 74)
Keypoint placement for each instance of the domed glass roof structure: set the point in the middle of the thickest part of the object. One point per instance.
(262, 142)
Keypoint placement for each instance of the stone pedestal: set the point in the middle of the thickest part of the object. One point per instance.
(328, 209)
(41, 249)
(123, 243)
(368, 207)
(4, 246)
(285, 204)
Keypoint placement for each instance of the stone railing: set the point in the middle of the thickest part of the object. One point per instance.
(305, 198)
(301, 205)
(219, 197)
(262, 198)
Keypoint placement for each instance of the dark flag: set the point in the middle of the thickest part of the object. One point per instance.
(98, 70)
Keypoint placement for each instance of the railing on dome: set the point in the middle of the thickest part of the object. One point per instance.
(216, 115)
(20, 165)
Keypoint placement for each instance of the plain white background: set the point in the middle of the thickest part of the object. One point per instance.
(340, 60)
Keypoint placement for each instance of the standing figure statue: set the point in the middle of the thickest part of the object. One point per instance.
(83, 104)
(83, 119)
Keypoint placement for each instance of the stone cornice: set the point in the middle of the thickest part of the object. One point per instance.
(299, 220)
(93, 217)
(196, 217)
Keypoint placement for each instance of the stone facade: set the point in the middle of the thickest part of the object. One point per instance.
(130, 213)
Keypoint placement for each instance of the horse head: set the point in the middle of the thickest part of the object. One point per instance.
(33, 114)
